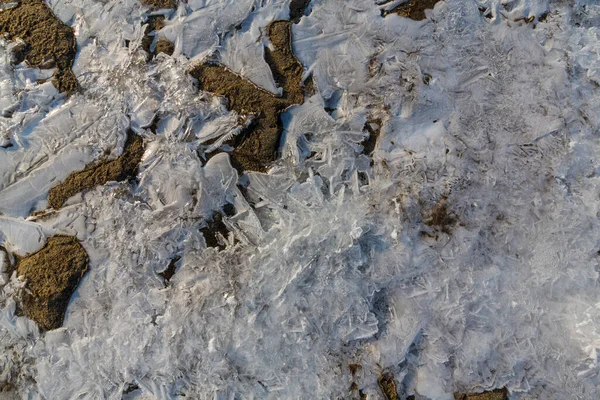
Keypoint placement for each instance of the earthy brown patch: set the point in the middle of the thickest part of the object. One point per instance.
(154, 23)
(286, 69)
(52, 275)
(413, 9)
(257, 147)
(498, 394)
(374, 128)
(297, 9)
(354, 368)
(164, 46)
(49, 42)
(388, 386)
(440, 218)
(168, 273)
(157, 4)
(122, 168)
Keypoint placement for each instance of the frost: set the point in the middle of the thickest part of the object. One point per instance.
(332, 258)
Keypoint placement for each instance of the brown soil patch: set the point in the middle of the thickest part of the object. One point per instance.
(49, 42)
(373, 127)
(441, 218)
(388, 386)
(414, 9)
(498, 394)
(156, 23)
(297, 9)
(157, 4)
(164, 46)
(257, 147)
(122, 168)
(52, 275)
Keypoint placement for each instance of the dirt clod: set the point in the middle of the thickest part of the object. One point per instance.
(49, 42)
(122, 168)
(52, 275)
(257, 147)
(498, 394)
(388, 386)
(414, 9)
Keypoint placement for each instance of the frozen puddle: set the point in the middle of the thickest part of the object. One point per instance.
(403, 204)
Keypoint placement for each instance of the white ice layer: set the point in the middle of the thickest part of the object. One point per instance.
(330, 258)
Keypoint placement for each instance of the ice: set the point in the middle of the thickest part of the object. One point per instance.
(21, 237)
(330, 260)
(244, 52)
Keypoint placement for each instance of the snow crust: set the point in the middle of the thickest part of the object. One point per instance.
(330, 261)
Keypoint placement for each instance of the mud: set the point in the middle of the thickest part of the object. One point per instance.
(413, 9)
(388, 386)
(257, 147)
(122, 168)
(52, 275)
(498, 394)
(49, 42)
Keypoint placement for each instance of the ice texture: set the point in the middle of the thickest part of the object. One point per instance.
(489, 117)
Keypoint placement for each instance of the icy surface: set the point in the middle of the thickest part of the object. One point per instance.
(331, 260)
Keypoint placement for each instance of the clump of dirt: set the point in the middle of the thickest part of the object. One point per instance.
(49, 42)
(52, 275)
(388, 386)
(498, 394)
(257, 147)
(122, 168)
(373, 127)
(441, 218)
(298, 9)
(168, 273)
(413, 9)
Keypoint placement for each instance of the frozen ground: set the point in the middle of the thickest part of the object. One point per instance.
(332, 260)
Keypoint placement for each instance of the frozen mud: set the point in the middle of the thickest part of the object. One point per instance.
(424, 223)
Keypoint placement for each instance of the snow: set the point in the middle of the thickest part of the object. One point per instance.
(332, 263)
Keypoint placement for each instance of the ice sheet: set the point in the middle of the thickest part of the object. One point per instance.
(335, 261)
